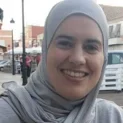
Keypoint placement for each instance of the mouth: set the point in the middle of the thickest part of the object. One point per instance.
(76, 75)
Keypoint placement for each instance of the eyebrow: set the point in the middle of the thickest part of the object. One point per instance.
(89, 40)
(96, 41)
(66, 37)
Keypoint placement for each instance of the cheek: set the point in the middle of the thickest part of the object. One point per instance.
(96, 64)
(56, 56)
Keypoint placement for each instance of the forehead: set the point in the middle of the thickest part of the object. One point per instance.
(79, 26)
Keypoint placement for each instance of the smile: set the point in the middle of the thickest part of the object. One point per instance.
(75, 74)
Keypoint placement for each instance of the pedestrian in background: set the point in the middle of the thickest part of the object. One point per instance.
(28, 64)
(38, 58)
(21, 66)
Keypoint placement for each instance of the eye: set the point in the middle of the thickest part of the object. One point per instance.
(64, 44)
(91, 48)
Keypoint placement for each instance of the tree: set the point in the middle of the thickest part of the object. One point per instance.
(1, 14)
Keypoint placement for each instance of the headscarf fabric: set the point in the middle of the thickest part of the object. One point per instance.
(37, 102)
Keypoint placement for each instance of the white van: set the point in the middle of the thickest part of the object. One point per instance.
(113, 78)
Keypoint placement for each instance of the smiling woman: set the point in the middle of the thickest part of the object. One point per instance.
(65, 85)
(71, 65)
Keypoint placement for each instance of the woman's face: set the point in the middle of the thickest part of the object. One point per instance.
(75, 57)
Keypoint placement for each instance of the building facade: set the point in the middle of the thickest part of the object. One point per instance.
(6, 39)
(114, 16)
(31, 35)
(40, 38)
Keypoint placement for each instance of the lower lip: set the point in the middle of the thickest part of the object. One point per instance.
(74, 79)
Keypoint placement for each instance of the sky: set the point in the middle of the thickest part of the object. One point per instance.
(35, 12)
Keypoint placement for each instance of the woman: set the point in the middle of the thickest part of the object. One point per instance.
(38, 58)
(65, 85)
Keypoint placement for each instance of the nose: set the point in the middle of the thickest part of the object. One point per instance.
(77, 56)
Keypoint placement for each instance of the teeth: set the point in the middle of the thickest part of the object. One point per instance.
(74, 74)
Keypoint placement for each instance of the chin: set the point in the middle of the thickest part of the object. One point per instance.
(74, 96)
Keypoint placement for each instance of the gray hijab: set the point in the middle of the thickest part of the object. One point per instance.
(38, 102)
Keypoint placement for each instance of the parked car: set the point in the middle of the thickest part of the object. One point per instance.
(2, 61)
(4, 64)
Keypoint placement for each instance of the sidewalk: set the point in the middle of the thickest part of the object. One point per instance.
(5, 77)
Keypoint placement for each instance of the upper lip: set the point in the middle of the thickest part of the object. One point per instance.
(76, 70)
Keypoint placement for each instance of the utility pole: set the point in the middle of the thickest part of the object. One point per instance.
(13, 60)
(24, 70)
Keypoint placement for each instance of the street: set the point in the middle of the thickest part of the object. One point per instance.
(114, 96)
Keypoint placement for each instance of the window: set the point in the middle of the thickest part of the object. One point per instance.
(115, 58)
